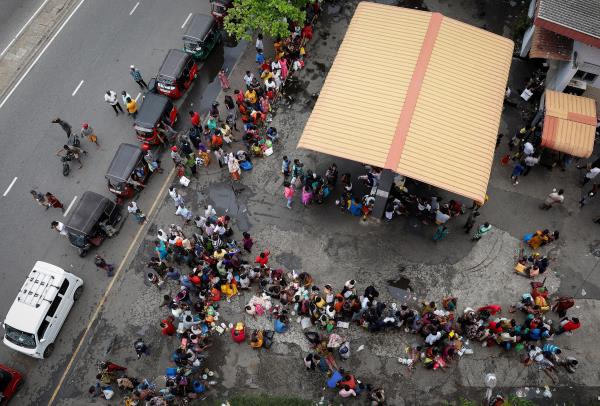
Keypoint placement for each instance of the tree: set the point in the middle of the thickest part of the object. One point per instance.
(270, 17)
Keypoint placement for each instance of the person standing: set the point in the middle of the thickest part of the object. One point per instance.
(259, 43)
(195, 118)
(591, 174)
(247, 242)
(88, 132)
(248, 78)
(139, 215)
(64, 125)
(223, 80)
(288, 193)
(234, 167)
(470, 220)
(285, 167)
(54, 202)
(530, 161)
(137, 76)
(140, 348)
(132, 107)
(59, 227)
(552, 199)
(111, 98)
(440, 233)
(40, 199)
(517, 171)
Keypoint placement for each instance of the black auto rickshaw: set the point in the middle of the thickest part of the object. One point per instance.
(155, 119)
(176, 73)
(128, 172)
(219, 9)
(94, 219)
(201, 36)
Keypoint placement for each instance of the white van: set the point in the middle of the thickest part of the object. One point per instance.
(40, 309)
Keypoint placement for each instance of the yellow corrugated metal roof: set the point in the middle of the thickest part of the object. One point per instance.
(417, 93)
(570, 124)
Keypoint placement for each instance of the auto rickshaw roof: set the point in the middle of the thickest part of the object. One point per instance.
(151, 110)
(200, 26)
(123, 163)
(86, 214)
(173, 64)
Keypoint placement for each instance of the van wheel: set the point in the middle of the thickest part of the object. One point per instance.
(82, 252)
(77, 294)
(48, 351)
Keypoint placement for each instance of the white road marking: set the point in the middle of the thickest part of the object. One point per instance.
(77, 88)
(40, 54)
(23, 28)
(10, 186)
(134, 7)
(186, 20)
(138, 96)
(70, 206)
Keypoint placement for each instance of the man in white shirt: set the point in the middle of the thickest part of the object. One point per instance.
(528, 148)
(552, 199)
(259, 43)
(591, 174)
(530, 162)
(248, 77)
(111, 98)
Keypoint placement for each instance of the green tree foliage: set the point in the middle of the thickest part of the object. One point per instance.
(269, 17)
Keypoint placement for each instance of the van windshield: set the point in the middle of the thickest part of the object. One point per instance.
(19, 338)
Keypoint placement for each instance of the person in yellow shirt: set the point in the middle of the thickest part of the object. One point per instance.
(251, 96)
(132, 107)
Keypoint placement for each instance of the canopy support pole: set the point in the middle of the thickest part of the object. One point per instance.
(381, 195)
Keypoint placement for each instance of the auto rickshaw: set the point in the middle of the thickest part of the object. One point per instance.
(94, 219)
(128, 172)
(155, 119)
(201, 36)
(219, 9)
(176, 74)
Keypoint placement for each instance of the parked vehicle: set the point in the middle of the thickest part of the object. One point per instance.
(128, 172)
(93, 219)
(40, 309)
(10, 382)
(219, 9)
(176, 74)
(156, 117)
(201, 36)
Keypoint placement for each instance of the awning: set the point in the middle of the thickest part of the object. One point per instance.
(546, 44)
(570, 124)
(417, 93)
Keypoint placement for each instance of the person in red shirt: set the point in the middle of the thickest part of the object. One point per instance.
(168, 329)
(568, 325)
(491, 309)
(262, 258)
(239, 96)
(195, 118)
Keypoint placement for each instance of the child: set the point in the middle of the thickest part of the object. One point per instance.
(285, 166)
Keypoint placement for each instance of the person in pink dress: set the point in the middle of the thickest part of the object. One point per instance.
(224, 80)
(307, 195)
(284, 69)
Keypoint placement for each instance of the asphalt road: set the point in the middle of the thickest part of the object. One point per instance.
(13, 16)
(97, 46)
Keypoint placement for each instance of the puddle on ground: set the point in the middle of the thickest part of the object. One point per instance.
(224, 197)
(400, 289)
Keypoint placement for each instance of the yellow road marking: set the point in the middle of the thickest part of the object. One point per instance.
(109, 288)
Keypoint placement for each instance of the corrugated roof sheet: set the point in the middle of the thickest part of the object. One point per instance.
(429, 86)
(579, 15)
(570, 124)
(550, 45)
